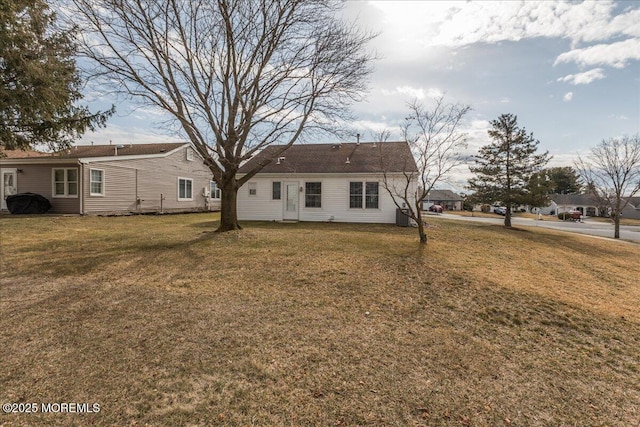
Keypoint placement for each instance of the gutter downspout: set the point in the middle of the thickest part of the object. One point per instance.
(81, 186)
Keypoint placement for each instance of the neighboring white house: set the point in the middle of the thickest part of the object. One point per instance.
(326, 182)
(585, 203)
(449, 200)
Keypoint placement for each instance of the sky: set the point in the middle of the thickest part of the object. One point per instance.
(569, 70)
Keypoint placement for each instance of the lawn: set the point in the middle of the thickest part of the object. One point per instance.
(162, 322)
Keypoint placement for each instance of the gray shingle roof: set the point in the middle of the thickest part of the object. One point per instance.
(444, 195)
(574, 199)
(82, 151)
(332, 158)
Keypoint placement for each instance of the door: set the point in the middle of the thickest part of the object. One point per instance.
(291, 201)
(8, 185)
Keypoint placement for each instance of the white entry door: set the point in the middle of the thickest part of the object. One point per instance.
(291, 201)
(8, 185)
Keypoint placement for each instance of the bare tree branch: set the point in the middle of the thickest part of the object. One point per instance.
(435, 139)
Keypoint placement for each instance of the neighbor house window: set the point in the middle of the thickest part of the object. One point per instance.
(253, 188)
(65, 182)
(276, 191)
(96, 182)
(185, 189)
(364, 194)
(313, 195)
(215, 192)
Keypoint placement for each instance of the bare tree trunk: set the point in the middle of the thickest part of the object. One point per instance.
(616, 226)
(507, 217)
(228, 209)
(423, 235)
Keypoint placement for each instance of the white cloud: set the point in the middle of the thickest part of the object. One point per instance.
(411, 92)
(505, 100)
(567, 97)
(458, 23)
(615, 54)
(583, 78)
(415, 25)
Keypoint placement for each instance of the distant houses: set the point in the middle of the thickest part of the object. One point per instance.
(449, 200)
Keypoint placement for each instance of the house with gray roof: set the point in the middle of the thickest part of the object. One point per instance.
(585, 203)
(113, 179)
(632, 208)
(446, 198)
(340, 182)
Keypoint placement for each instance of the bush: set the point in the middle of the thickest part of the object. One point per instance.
(564, 216)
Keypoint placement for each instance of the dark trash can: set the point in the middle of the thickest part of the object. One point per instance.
(28, 203)
(402, 217)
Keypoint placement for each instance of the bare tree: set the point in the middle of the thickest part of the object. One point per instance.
(612, 173)
(234, 75)
(437, 143)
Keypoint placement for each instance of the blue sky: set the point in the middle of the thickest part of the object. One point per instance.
(570, 71)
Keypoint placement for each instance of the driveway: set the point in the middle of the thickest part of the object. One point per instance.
(590, 228)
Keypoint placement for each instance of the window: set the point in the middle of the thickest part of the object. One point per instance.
(253, 189)
(313, 195)
(185, 189)
(96, 182)
(214, 191)
(369, 198)
(355, 195)
(276, 191)
(65, 182)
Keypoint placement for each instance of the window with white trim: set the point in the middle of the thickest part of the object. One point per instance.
(214, 191)
(313, 195)
(355, 195)
(96, 182)
(185, 189)
(65, 182)
(253, 188)
(276, 190)
(364, 194)
(371, 195)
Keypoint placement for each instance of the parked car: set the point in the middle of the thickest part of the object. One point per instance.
(500, 210)
(435, 208)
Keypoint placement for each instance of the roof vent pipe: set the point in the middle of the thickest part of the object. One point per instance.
(348, 161)
(358, 139)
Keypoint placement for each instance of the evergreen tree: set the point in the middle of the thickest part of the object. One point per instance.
(39, 82)
(564, 180)
(504, 168)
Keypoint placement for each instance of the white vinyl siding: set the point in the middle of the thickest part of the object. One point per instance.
(185, 189)
(96, 182)
(65, 182)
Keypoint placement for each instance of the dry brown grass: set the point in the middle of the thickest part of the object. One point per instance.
(165, 323)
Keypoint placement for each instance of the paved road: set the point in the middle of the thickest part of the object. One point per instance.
(592, 228)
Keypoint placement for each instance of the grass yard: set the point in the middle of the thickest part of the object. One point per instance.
(164, 323)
